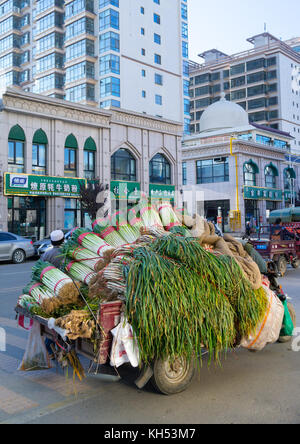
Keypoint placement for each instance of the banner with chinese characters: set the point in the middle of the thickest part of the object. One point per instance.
(163, 192)
(125, 190)
(257, 193)
(47, 186)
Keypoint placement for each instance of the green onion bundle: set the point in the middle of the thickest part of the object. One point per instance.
(83, 255)
(27, 302)
(91, 241)
(135, 222)
(38, 291)
(150, 216)
(114, 274)
(108, 233)
(79, 272)
(180, 298)
(54, 279)
(125, 230)
(182, 231)
(168, 216)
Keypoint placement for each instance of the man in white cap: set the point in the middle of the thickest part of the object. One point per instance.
(53, 254)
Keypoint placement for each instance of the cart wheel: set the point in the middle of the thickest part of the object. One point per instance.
(174, 376)
(296, 263)
(282, 265)
(292, 312)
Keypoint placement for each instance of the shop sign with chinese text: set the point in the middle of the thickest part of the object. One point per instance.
(46, 186)
(257, 193)
(163, 192)
(125, 190)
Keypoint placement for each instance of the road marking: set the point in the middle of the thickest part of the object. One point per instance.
(11, 402)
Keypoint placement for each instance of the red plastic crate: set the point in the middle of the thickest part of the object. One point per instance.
(109, 318)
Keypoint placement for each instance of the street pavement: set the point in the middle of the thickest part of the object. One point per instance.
(248, 388)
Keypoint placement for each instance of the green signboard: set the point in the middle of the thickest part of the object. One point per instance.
(288, 195)
(163, 192)
(125, 190)
(257, 193)
(46, 186)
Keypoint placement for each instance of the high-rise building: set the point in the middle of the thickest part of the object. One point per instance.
(264, 80)
(127, 54)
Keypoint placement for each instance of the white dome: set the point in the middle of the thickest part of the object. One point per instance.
(223, 115)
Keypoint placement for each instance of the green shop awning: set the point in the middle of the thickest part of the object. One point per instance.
(90, 145)
(253, 164)
(291, 172)
(16, 133)
(274, 168)
(40, 138)
(71, 142)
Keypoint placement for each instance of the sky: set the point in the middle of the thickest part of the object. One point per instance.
(226, 25)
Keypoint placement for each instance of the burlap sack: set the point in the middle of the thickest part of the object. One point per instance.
(269, 329)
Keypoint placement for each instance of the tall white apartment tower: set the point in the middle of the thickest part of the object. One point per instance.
(264, 80)
(131, 54)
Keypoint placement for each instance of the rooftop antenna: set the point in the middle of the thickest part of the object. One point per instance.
(265, 27)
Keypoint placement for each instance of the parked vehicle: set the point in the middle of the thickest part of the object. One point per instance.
(15, 248)
(42, 245)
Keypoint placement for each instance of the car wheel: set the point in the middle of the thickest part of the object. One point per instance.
(19, 257)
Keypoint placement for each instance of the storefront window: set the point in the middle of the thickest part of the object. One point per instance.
(72, 214)
(123, 166)
(289, 176)
(27, 216)
(160, 170)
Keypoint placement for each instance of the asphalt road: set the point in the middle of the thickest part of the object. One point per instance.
(249, 387)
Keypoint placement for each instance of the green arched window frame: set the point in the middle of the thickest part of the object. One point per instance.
(90, 149)
(289, 174)
(17, 133)
(271, 173)
(39, 152)
(16, 149)
(250, 170)
(71, 147)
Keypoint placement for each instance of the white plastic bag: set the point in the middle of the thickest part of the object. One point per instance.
(36, 356)
(269, 329)
(124, 347)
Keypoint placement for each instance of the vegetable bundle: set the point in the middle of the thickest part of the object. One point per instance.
(79, 271)
(38, 291)
(91, 241)
(72, 250)
(108, 233)
(150, 216)
(125, 230)
(179, 296)
(168, 216)
(54, 279)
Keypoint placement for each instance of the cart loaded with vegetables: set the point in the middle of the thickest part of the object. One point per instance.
(153, 287)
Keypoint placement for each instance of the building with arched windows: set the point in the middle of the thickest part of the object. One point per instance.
(236, 171)
(49, 147)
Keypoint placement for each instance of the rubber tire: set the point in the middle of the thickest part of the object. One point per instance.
(282, 265)
(23, 256)
(292, 311)
(166, 385)
(296, 264)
